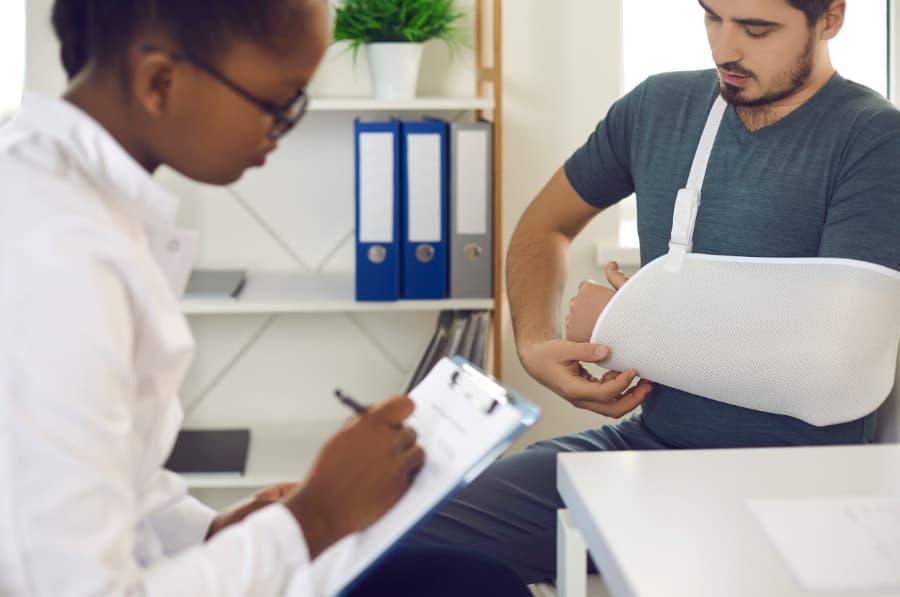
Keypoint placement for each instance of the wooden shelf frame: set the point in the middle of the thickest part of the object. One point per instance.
(491, 75)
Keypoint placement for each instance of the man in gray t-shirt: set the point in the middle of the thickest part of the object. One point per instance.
(805, 164)
(822, 181)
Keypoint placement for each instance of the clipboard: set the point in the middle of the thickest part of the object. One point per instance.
(465, 419)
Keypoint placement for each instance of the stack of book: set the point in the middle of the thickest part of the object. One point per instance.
(466, 333)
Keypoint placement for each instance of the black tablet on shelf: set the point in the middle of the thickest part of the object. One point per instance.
(221, 451)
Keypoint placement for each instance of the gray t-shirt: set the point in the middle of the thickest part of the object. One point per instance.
(823, 181)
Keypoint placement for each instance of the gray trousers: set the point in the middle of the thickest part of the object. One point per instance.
(509, 512)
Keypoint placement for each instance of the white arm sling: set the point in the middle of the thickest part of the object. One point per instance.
(811, 338)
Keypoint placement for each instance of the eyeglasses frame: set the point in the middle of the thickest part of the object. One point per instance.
(283, 120)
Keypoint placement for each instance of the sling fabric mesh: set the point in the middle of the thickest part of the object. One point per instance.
(813, 338)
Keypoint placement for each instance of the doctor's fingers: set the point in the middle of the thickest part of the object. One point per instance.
(414, 460)
(392, 411)
(616, 278)
(406, 438)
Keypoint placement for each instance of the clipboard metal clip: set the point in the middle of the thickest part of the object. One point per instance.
(478, 388)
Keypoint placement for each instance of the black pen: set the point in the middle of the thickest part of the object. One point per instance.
(356, 406)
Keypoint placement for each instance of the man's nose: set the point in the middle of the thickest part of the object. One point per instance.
(726, 45)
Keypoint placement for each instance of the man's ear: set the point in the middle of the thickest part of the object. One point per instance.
(833, 19)
(152, 82)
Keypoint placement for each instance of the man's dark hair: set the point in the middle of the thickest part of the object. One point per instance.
(102, 30)
(813, 9)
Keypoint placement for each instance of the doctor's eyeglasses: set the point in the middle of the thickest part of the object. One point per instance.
(285, 116)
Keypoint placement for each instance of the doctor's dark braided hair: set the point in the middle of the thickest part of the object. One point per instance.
(101, 31)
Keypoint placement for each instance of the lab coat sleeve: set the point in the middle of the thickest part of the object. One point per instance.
(184, 522)
(72, 400)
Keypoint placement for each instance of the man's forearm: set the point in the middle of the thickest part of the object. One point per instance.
(536, 272)
(538, 261)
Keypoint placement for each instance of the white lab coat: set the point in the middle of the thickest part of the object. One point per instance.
(93, 348)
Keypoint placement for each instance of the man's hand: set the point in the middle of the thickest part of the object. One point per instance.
(557, 364)
(359, 474)
(584, 309)
(586, 306)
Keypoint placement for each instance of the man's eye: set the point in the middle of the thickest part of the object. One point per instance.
(757, 32)
(713, 18)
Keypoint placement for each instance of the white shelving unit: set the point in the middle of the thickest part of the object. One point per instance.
(270, 359)
(293, 292)
(419, 104)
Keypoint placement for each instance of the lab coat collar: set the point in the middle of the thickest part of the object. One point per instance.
(100, 156)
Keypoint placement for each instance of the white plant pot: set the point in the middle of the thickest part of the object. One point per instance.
(395, 68)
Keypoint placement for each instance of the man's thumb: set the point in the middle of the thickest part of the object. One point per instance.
(591, 353)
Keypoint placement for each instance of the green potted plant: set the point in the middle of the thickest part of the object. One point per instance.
(392, 32)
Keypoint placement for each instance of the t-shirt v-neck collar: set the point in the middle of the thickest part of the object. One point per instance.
(745, 137)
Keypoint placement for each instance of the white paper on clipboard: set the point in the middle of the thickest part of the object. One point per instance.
(465, 420)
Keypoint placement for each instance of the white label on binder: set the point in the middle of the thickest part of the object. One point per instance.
(423, 164)
(471, 182)
(376, 187)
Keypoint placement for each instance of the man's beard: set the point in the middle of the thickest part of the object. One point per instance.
(792, 80)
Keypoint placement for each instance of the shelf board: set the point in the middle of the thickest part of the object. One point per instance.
(278, 453)
(297, 292)
(369, 104)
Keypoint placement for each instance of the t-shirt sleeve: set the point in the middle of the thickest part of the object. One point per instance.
(863, 217)
(600, 170)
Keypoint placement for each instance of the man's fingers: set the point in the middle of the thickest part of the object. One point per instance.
(394, 410)
(585, 352)
(614, 276)
(610, 375)
(629, 401)
(588, 281)
(643, 387)
(578, 389)
(620, 405)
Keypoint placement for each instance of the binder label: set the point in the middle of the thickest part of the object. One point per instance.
(376, 187)
(471, 182)
(424, 187)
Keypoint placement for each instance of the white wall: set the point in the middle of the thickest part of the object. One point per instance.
(562, 70)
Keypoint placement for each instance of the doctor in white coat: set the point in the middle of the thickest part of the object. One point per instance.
(93, 346)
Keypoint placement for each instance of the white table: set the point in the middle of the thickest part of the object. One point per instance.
(673, 523)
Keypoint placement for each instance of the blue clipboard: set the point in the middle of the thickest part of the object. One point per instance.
(465, 419)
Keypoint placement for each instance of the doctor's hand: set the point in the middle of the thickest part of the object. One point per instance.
(360, 473)
(242, 510)
(557, 364)
(592, 298)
